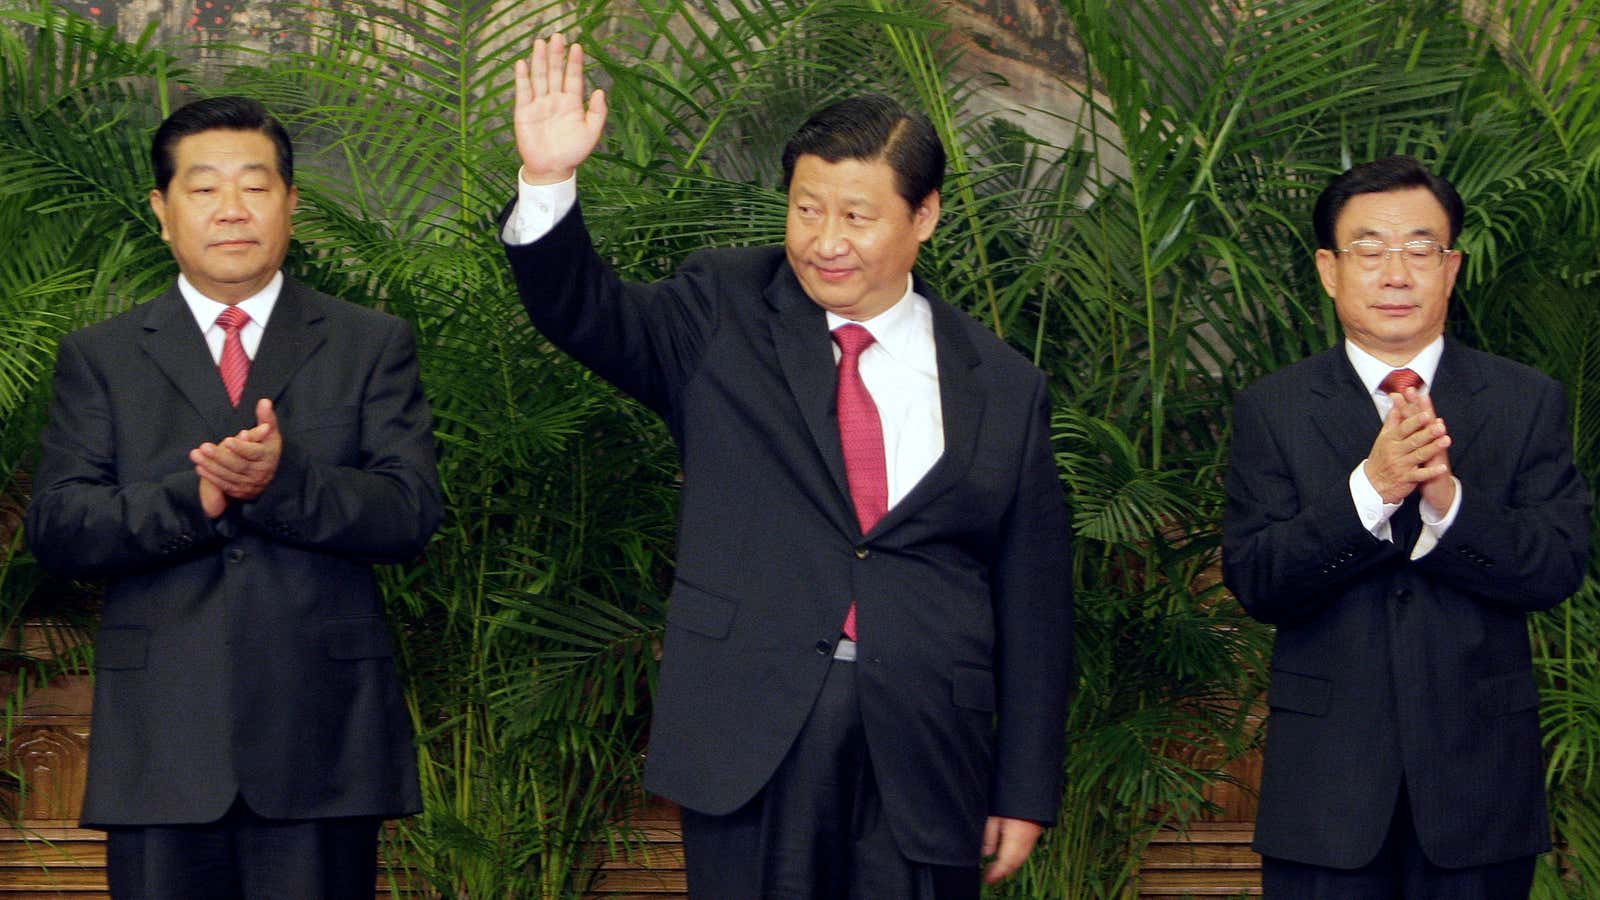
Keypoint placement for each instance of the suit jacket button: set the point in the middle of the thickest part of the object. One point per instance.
(824, 648)
(1402, 593)
(235, 554)
(862, 553)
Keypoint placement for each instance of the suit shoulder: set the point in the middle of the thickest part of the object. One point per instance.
(1500, 369)
(350, 314)
(1295, 378)
(759, 263)
(991, 348)
(115, 328)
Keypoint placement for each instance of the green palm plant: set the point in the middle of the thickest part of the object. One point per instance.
(1153, 262)
(74, 102)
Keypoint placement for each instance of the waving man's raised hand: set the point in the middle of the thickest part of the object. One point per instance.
(555, 132)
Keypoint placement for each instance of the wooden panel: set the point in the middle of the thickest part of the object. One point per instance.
(54, 858)
(53, 758)
(1212, 860)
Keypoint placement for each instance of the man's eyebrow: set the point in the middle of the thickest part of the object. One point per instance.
(1424, 232)
(207, 167)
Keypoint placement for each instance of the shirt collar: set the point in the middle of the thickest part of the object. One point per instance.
(1372, 370)
(898, 327)
(258, 305)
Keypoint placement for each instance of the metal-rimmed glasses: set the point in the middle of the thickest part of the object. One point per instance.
(1419, 256)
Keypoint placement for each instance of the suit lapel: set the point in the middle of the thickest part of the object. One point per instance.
(174, 341)
(293, 334)
(961, 404)
(1456, 384)
(1341, 408)
(805, 354)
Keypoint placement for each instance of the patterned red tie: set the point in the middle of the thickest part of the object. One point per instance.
(1397, 381)
(235, 365)
(861, 437)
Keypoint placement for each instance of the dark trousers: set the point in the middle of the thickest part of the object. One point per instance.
(245, 857)
(1399, 872)
(817, 830)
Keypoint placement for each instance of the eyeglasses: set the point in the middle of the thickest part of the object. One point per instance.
(1420, 256)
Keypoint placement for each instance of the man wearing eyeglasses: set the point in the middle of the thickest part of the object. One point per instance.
(1397, 505)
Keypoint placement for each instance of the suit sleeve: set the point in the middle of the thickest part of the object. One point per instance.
(1032, 592)
(83, 521)
(384, 508)
(1529, 550)
(1288, 546)
(644, 338)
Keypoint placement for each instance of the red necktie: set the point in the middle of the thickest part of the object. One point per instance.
(235, 366)
(1397, 381)
(861, 437)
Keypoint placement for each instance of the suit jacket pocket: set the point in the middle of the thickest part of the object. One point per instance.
(121, 648)
(1502, 695)
(700, 611)
(358, 637)
(972, 688)
(1291, 691)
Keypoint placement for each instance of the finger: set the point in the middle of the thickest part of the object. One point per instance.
(538, 69)
(991, 836)
(555, 60)
(572, 78)
(522, 93)
(226, 481)
(266, 414)
(1006, 862)
(247, 451)
(596, 117)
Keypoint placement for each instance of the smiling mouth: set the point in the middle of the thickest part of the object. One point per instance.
(833, 274)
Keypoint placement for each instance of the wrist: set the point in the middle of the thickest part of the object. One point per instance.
(541, 178)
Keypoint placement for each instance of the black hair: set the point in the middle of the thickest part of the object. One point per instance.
(217, 113)
(872, 127)
(1395, 173)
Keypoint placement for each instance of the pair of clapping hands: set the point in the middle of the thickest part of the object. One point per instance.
(241, 466)
(1411, 452)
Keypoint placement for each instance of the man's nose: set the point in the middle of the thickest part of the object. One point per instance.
(1395, 270)
(231, 207)
(831, 240)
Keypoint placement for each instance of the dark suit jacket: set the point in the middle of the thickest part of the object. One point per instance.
(247, 654)
(963, 589)
(1386, 668)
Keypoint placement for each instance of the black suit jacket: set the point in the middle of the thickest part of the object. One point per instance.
(1387, 668)
(246, 654)
(963, 589)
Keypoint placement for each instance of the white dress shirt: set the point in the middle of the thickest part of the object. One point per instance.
(900, 368)
(1375, 513)
(206, 310)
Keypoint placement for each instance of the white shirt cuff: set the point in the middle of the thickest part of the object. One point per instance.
(1369, 504)
(539, 207)
(1434, 525)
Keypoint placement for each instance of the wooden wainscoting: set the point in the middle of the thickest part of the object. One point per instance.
(51, 857)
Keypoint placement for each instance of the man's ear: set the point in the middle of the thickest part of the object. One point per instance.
(1328, 268)
(158, 205)
(926, 216)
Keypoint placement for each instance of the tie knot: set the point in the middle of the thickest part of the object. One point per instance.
(1397, 381)
(852, 339)
(233, 318)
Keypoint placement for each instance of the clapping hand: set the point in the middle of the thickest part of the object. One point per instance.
(1410, 452)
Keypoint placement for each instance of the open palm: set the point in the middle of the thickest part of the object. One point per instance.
(555, 132)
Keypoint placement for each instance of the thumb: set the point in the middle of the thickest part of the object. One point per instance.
(595, 117)
(266, 416)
